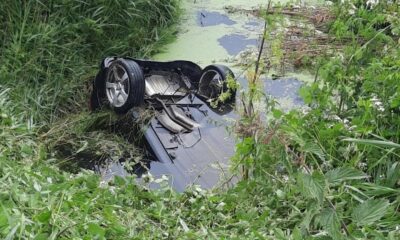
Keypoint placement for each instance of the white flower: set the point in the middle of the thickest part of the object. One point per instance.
(377, 103)
(362, 165)
(112, 190)
(221, 205)
(285, 178)
(352, 127)
(372, 3)
(37, 186)
(148, 178)
(305, 110)
(162, 179)
(199, 189)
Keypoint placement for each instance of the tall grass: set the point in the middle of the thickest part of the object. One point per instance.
(49, 52)
(50, 49)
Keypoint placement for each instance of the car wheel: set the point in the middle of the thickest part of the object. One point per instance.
(124, 85)
(214, 82)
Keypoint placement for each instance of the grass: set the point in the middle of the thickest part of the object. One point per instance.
(329, 173)
(51, 51)
(49, 55)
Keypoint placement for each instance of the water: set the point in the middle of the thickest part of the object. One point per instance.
(205, 30)
(207, 19)
(235, 43)
(211, 34)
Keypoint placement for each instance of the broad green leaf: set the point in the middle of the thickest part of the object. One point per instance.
(370, 211)
(296, 235)
(96, 230)
(310, 213)
(344, 174)
(305, 93)
(314, 149)
(277, 113)
(42, 236)
(312, 186)
(279, 234)
(329, 221)
(43, 217)
(92, 182)
(3, 220)
(393, 175)
(26, 149)
(119, 181)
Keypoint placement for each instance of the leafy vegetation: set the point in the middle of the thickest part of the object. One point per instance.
(331, 172)
(338, 161)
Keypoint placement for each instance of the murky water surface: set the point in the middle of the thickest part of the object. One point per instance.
(235, 43)
(207, 31)
(207, 19)
(211, 34)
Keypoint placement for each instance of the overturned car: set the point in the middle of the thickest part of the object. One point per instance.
(186, 135)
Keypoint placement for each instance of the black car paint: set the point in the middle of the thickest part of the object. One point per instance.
(198, 157)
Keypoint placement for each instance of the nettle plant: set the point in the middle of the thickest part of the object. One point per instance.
(337, 166)
(357, 97)
(360, 86)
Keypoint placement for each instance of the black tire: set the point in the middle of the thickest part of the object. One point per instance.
(98, 93)
(94, 101)
(135, 85)
(209, 91)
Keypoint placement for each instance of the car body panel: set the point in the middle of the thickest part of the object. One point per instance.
(187, 138)
(198, 157)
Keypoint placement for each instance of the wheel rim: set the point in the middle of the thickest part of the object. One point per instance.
(117, 86)
(212, 84)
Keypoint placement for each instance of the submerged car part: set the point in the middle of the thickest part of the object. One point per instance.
(124, 85)
(186, 137)
(200, 157)
(166, 84)
(214, 82)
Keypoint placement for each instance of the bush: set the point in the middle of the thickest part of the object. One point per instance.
(335, 167)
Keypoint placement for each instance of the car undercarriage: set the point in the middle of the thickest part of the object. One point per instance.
(187, 134)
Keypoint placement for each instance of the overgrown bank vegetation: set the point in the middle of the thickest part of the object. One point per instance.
(331, 172)
(49, 49)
